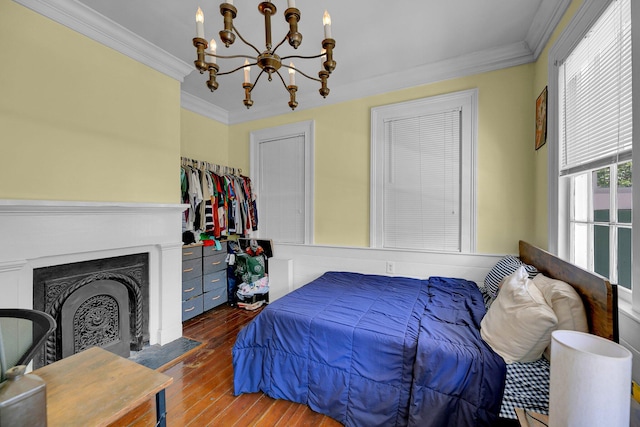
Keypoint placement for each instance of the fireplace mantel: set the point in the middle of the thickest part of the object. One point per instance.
(42, 233)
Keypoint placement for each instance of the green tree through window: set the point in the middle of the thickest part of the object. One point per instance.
(624, 176)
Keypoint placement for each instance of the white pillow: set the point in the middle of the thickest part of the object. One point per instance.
(566, 304)
(519, 323)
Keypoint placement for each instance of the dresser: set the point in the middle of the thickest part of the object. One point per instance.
(214, 277)
(191, 281)
(204, 279)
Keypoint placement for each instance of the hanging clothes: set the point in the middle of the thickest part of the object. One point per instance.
(206, 207)
(220, 203)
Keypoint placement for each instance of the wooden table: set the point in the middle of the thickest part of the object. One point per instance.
(96, 387)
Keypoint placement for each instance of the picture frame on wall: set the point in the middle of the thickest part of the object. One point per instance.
(541, 119)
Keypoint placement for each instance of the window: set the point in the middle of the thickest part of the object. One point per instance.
(282, 167)
(600, 221)
(423, 175)
(590, 115)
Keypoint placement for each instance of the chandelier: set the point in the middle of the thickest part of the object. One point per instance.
(267, 61)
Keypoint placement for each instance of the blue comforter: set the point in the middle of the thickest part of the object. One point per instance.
(375, 351)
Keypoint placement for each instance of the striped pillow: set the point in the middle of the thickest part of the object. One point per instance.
(487, 298)
(505, 267)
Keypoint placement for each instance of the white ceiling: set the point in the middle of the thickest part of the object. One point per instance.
(380, 45)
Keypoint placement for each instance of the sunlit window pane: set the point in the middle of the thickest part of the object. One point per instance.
(581, 245)
(581, 199)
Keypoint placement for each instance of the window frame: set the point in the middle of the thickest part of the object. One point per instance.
(467, 101)
(559, 195)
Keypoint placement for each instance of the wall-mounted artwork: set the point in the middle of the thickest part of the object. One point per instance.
(541, 119)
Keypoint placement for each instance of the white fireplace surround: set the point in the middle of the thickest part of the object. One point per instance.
(35, 234)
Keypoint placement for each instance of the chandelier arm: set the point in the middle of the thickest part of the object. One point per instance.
(231, 56)
(238, 68)
(257, 78)
(303, 56)
(298, 71)
(280, 44)
(245, 42)
(282, 79)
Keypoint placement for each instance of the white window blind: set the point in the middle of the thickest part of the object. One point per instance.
(282, 189)
(422, 182)
(596, 111)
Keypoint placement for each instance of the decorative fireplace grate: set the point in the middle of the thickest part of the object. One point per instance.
(95, 303)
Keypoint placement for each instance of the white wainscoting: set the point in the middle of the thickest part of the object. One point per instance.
(294, 265)
(36, 234)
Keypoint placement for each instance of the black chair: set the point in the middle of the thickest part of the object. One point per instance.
(22, 333)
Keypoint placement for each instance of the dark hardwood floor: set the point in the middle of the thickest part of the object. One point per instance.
(202, 389)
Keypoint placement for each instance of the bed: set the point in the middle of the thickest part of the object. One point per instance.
(527, 384)
(375, 350)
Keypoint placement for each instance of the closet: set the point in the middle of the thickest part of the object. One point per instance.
(222, 207)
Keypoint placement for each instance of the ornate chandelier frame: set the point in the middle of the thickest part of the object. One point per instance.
(268, 61)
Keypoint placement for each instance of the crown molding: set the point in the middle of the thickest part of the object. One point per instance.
(466, 65)
(544, 23)
(200, 106)
(96, 26)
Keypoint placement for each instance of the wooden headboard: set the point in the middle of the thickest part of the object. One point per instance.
(598, 295)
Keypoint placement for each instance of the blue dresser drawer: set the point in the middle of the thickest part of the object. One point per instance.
(213, 263)
(191, 252)
(191, 269)
(214, 280)
(191, 307)
(214, 298)
(211, 251)
(191, 288)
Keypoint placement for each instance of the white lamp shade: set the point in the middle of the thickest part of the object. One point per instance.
(590, 381)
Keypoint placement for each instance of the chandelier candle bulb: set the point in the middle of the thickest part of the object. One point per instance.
(291, 3)
(326, 20)
(199, 24)
(292, 74)
(247, 71)
(212, 50)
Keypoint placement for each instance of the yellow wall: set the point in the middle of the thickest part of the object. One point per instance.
(204, 139)
(342, 156)
(79, 121)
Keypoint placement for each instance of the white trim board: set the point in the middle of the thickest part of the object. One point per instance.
(311, 261)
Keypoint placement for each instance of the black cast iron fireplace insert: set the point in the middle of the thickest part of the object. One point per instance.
(102, 302)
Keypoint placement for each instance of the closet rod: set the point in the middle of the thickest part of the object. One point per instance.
(212, 167)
